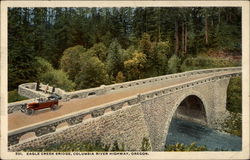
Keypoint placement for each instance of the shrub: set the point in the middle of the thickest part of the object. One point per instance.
(204, 62)
(145, 145)
(233, 124)
(42, 66)
(234, 98)
(181, 147)
(174, 64)
(58, 78)
(120, 78)
(77, 147)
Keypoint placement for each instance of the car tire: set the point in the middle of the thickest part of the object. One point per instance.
(23, 108)
(29, 111)
(54, 107)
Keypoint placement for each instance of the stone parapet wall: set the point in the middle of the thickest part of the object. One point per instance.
(16, 106)
(126, 126)
(28, 90)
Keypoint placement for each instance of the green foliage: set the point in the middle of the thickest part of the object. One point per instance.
(99, 50)
(145, 145)
(120, 78)
(71, 60)
(162, 54)
(59, 79)
(135, 66)
(204, 62)
(114, 64)
(228, 37)
(60, 35)
(179, 147)
(115, 146)
(92, 73)
(77, 147)
(174, 64)
(42, 66)
(13, 96)
(233, 124)
(145, 45)
(234, 96)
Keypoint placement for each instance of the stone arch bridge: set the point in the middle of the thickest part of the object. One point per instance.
(125, 112)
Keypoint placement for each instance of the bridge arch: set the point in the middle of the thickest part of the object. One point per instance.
(194, 96)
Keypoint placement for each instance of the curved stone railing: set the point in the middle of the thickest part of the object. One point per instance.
(50, 126)
(29, 90)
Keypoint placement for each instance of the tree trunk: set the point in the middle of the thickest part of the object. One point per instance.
(186, 39)
(182, 37)
(206, 30)
(219, 16)
(176, 38)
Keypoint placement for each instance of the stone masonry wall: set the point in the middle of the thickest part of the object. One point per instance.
(126, 126)
(28, 90)
(16, 106)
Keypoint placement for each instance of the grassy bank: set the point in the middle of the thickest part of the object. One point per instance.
(13, 96)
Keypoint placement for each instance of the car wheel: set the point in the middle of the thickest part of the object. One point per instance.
(54, 107)
(23, 108)
(29, 111)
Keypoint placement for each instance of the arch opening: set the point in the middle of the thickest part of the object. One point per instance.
(191, 109)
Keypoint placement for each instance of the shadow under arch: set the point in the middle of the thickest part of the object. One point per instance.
(185, 102)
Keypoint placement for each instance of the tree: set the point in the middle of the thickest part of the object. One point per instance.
(134, 67)
(92, 73)
(70, 61)
(145, 45)
(42, 66)
(114, 64)
(58, 78)
(20, 50)
(162, 50)
(99, 50)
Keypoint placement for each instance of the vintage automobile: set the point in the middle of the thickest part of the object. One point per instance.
(41, 103)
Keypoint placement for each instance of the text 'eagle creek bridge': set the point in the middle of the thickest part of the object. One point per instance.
(125, 112)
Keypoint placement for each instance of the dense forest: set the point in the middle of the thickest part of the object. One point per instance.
(78, 48)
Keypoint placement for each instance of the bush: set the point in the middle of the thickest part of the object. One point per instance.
(204, 62)
(77, 147)
(120, 78)
(233, 124)
(174, 64)
(145, 145)
(234, 98)
(42, 66)
(13, 96)
(58, 78)
(181, 147)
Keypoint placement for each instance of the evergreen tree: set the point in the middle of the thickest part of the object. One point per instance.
(114, 64)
